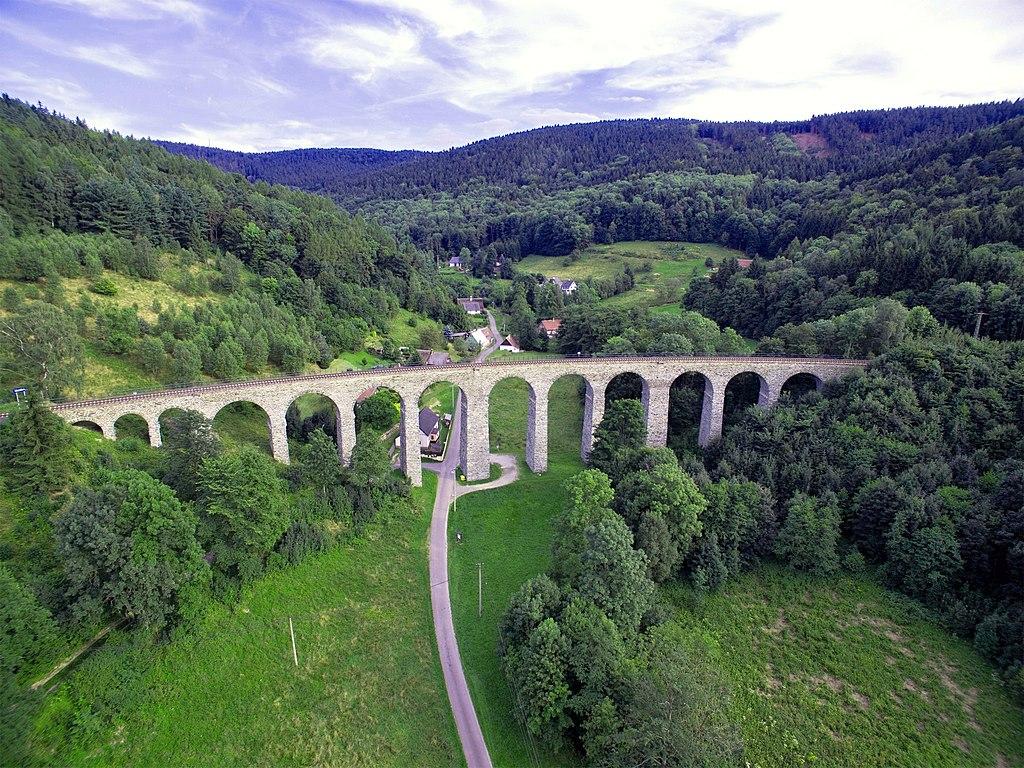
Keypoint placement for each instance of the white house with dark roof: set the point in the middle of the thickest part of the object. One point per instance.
(567, 287)
(472, 306)
(510, 344)
(455, 262)
(430, 427)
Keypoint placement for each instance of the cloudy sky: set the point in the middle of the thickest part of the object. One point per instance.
(430, 74)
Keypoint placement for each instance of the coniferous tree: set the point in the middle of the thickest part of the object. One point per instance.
(37, 451)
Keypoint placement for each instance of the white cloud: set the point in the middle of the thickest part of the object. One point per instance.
(268, 85)
(255, 136)
(450, 18)
(732, 59)
(919, 55)
(438, 73)
(138, 10)
(113, 56)
(67, 98)
(364, 51)
(53, 91)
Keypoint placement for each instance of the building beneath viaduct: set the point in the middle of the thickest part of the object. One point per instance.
(476, 381)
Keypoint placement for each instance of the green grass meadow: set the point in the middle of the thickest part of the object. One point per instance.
(673, 267)
(243, 423)
(840, 672)
(367, 691)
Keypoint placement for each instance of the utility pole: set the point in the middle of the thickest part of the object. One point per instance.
(479, 590)
(977, 325)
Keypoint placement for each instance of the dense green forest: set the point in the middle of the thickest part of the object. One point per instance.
(926, 205)
(313, 170)
(252, 278)
(913, 470)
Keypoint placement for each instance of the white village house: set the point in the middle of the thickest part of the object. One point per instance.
(568, 287)
(472, 306)
(430, 427)
(510, 344)
(482, 336)
(549, 327)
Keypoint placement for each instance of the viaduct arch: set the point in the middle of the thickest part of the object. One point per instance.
(476, 380)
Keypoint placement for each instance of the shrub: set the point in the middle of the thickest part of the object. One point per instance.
(301, 540)
(104, 287)
(808, 539)
(853, 562)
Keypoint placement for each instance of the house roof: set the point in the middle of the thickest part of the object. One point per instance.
(744, 263)
(472, 305)
(454, 260)
(483, 336)
(510, 341)
(429, 421)
(432, 357)
(551, 325)
(368, 392)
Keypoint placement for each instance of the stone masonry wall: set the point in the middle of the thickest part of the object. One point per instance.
(476, 382)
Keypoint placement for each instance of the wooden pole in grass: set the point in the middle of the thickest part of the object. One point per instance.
(291, 630)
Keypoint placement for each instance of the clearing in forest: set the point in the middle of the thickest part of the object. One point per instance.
(662, 269)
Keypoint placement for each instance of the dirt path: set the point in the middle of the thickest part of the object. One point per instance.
(75, 656)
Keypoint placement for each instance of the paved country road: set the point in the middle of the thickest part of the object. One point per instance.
(487, 351)
(466, 722)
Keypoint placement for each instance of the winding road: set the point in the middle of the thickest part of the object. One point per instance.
(473, 746)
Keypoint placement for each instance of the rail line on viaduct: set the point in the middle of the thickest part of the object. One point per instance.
(475, 380)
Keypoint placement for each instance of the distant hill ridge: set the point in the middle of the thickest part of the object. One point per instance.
(564, 156)
(310, 169)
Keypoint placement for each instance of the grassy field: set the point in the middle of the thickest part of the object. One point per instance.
(844, 673)
(440, 397)
(673, 266)
(349, 361)
(368, 690)
(109, 374)
(508, 531)
(405, 335)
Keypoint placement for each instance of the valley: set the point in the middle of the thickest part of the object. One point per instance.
(762, 384)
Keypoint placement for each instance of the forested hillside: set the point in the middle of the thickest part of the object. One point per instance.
(116, 253)
(926, 205)
(313, 170)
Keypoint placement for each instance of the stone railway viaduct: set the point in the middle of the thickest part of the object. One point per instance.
(476, 380)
